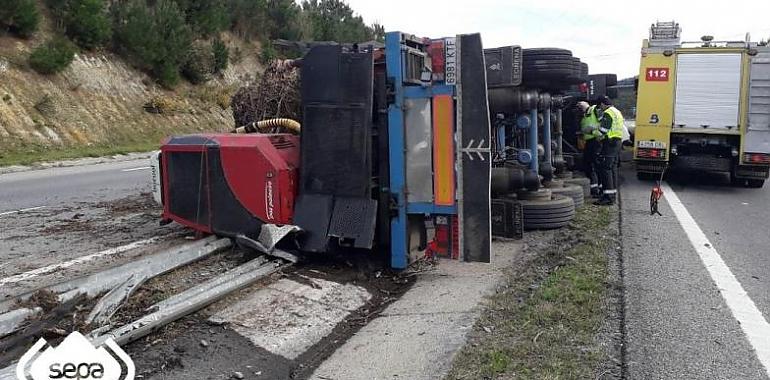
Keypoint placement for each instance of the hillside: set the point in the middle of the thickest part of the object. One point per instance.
(97, 104)
(130, 80)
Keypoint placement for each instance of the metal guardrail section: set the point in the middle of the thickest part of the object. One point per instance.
(109, 279)
(192, 300)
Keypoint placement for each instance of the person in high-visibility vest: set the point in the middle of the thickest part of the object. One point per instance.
(589, 129)
(611, 129)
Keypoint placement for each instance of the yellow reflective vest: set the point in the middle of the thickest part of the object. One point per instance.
(616, 131)
(589, 124)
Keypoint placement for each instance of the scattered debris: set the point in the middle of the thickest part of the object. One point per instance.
(109, 279)
(276, 95)
(191, 300)
(113, 300)
(44, 299)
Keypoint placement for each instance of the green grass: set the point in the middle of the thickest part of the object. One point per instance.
(35, 154)
(544, 324)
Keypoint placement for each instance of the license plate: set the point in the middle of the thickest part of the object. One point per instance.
(651, 144)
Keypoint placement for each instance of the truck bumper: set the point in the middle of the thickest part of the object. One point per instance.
(751, 171)
(704, 163)
(650, 166)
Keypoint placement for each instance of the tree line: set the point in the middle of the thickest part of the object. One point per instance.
(171, 39)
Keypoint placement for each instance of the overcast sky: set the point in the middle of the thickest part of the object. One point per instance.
(607, 35)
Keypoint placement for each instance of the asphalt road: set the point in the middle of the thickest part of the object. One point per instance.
(62, 185)
(678, 322)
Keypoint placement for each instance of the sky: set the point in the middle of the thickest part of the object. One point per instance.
(607, 35)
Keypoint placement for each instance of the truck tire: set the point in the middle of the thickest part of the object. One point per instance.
(745, 182)
(548, 214)
(611, 79)
(573, 191)
(545, 51)
(583, 182)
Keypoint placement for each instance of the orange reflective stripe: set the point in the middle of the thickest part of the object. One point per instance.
(443, 150)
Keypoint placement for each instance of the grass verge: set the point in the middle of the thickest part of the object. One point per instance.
(543, 324)
(36, 154)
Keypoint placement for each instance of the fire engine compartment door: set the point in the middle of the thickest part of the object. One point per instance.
(758, 132)
(707, 91)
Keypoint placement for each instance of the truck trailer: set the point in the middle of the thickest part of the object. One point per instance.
(703, 106)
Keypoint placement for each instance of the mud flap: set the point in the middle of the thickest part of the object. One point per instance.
(473, 154)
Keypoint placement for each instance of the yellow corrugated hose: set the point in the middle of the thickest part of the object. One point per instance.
(289, 124)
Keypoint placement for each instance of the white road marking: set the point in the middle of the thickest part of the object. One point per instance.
(752, 322)
(21, 210)
(50, 268)
(135, 169)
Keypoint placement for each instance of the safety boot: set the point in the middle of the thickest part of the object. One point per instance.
(605, 201)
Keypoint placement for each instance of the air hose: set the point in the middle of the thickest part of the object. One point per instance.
(259, 126)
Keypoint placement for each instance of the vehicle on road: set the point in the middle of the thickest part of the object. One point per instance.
(703, 106)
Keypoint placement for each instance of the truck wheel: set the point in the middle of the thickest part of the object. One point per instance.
(546, 51)
(547, 214)
(583, 182)
(755, 183)
(573, 191)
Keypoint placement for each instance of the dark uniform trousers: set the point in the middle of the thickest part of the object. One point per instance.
(608, 175)
(591, 162)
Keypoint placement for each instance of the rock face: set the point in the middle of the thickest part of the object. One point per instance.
(99, 99)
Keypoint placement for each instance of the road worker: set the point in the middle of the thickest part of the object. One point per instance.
(611, 129)
(589, 128)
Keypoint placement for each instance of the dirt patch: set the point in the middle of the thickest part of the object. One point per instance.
(142, 203)
(53, 325)
(162, 287)
(45, 299)
(204, 351)
(54, 234)
(176, 352)
(104, 217)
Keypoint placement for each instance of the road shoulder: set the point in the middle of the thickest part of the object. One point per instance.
(417, 336)
(557, 317)
(75, 162)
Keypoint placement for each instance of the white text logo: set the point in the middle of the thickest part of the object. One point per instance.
(75, 358)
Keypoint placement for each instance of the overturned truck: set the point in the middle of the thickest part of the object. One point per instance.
(393, 155)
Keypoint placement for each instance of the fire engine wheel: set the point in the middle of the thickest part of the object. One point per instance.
(573, 191)
(750, 183)
(556, 212)
(583, 182)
